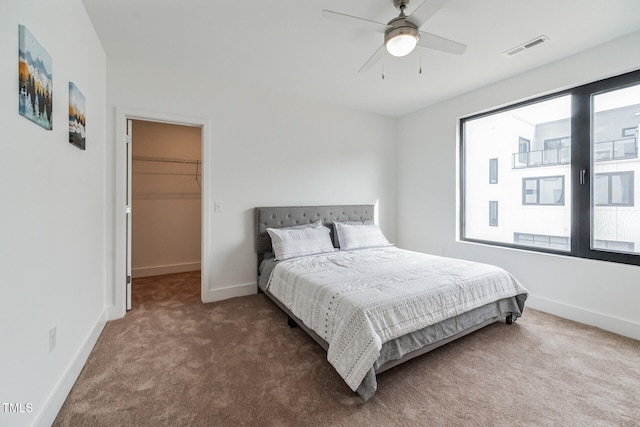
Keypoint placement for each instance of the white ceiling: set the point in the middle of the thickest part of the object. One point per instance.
(287, 46)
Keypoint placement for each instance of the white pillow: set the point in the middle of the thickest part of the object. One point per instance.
(318, 223)
(356, 222)
(360, 236)
(294, 243)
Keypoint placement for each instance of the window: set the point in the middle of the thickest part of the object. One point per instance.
(615, 245)
(543, 191)
(613, 216)
(542, 241)
(493, 213)
(493, 171)
(583, 145)
(524, 146)
(557, 151)
(630, 132)
(613, 189)
(523, 198)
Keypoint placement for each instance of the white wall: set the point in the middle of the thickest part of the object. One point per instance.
(594, 292)
(266, 150)
(52, 217)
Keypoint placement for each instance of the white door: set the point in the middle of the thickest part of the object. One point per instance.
(128, 213)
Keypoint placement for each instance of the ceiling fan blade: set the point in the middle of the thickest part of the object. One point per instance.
(431, 41)
(377, 55)
(426, 10)
(355, 21)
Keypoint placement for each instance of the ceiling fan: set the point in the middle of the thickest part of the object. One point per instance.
(402, 34)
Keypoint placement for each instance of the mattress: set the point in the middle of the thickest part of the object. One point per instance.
(374, 307)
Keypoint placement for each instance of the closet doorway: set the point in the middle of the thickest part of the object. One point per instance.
(166, 200)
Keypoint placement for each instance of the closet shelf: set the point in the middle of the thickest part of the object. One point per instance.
(171, 171)
(166, 160)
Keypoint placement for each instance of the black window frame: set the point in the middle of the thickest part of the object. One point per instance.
(579, 176)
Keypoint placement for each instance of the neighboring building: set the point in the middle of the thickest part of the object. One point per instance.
(525, 156)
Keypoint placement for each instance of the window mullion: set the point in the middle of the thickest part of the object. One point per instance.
(580, 161)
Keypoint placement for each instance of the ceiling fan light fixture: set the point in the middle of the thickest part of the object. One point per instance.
(400, 40)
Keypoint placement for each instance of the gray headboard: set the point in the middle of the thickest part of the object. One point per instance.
(285, 216)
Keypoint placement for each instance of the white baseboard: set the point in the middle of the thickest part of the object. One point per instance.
(603, 321)
(56, 399)
(115, 312)
(229, 292)
(164, 269)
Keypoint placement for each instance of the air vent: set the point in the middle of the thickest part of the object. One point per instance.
(525, 46)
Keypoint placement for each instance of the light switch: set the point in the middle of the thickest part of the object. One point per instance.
(217, 206)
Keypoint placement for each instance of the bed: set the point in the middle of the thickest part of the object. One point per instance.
(369, 304)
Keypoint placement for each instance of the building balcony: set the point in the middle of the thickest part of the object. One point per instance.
(618, 149)
(541, 158)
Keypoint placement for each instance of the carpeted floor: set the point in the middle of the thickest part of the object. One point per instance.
(173, 361)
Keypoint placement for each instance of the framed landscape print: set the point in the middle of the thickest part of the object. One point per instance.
(76, 117)
(35, 82)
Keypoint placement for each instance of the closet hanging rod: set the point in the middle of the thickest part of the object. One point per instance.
(166, 159)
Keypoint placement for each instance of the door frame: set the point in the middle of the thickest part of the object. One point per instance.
(120, 239)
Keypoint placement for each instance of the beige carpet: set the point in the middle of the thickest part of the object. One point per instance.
(173, 361)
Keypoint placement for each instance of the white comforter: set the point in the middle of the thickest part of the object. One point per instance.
(357, 300)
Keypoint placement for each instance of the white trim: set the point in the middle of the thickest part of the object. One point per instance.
(118, 310)
(220, 294)
(159, 270)
(588, 317)
(56, 399)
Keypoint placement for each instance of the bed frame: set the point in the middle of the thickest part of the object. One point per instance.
(285, 216)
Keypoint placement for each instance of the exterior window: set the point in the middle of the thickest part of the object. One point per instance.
(615, 117)
(615, 245)
(543, 190)
(513, 133)
(580, 200)
(557, 151)
(493, 171)
(493, 213)
(524, 146)
(630, 132)
(613, 189)
(542, 241)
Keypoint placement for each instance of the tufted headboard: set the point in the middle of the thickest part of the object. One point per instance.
(285, 216)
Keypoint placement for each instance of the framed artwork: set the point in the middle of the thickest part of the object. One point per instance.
(76, 117)
(35, 83)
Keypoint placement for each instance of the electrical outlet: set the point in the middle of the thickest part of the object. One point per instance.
(444, 251)
(53, 335)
